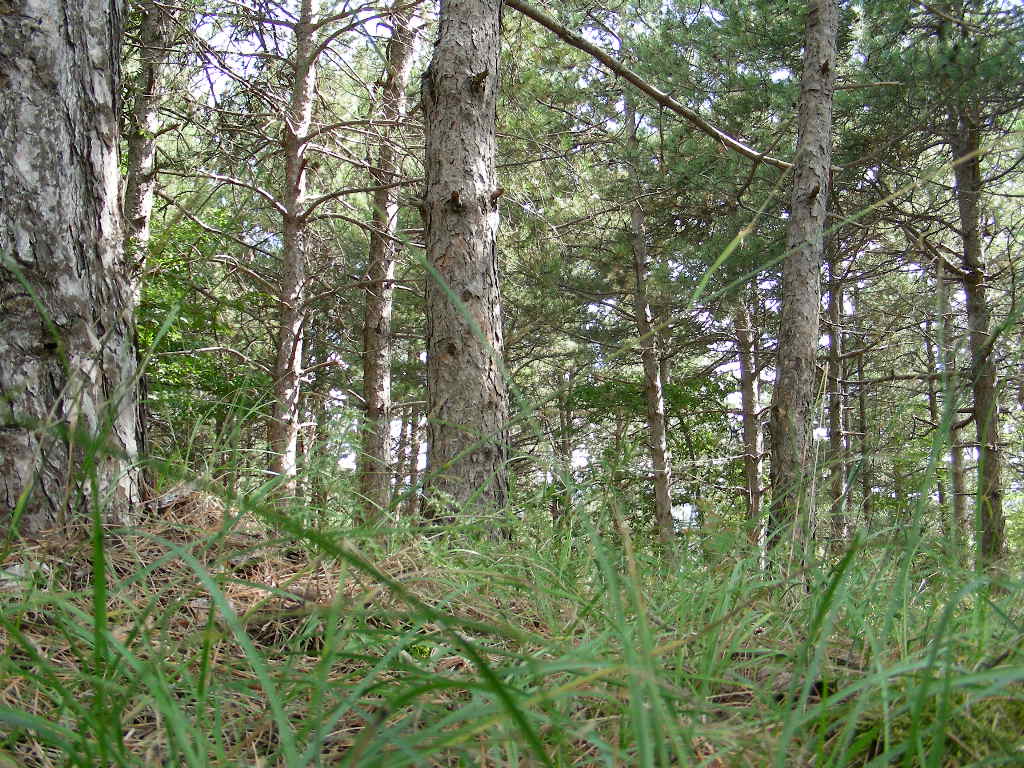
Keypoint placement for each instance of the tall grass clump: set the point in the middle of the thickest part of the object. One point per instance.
(225, 630)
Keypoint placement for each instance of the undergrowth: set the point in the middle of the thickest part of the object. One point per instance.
(219, 632)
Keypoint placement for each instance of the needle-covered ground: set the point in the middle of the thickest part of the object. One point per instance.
(222, 635)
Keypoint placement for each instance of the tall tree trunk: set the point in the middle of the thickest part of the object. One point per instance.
(561, 499)
(865, 471)
(400, 465)
(415, 448)
(284, 425)
(68, 408)
(155, 33)
(653, 389)
(467, 399)
(376, 433)
(793, 396)
(749, 404)
(952, 387)
(989, 519)
(836, 403)
(934, 410)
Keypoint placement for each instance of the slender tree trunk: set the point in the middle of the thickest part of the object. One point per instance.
(865, 472)
(793, 396)
(934, 411)
(653, 390)
(401, 462)
(374, 460)
(664, 317)
(156, 33)
(836, 422)
(467, 399)
(68, 403)
(749, 404)
(292, 310)
(958, 485)
(989, 519)
(415, 448)
(561, 500)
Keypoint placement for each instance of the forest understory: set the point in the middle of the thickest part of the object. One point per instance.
(227, 634)
(503, 383)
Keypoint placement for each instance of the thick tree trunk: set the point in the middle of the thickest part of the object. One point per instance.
(793, 396)
(653, 389)
(68, 405)
(376, 433)
(467, 399)
(292, 310)
(749, 403)
(989, 519)
(836, 422)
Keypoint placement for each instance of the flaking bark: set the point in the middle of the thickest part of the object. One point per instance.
(374, 460)
(989, 519)
(467, 400)
(68, 403)
(292, 309)
(793, 396)
(654, 393)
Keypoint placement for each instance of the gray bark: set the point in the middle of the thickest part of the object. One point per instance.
(292, 309)
(934, 411)
(958, 485)
(749, 398)
(793, 395)
(401, 454)
(865, 470)
(653, 387)
(836, 422)
(989, 519)
(415, 447)
(68, 405)
(156, 32)
(374, 460)
(561, 500)
(467, 399)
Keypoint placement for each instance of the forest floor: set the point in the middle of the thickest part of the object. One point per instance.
(213, 642)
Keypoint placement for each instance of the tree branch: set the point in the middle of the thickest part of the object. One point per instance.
(659, 96)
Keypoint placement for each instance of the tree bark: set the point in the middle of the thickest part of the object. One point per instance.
(865, 471)
(415, 447)
(934, 411)
(467, 399)
(958, 485)
(68, 403)
(793, 396)
(836, 422)
(292, 310)
(749, 400)
(989, 519)
(400, 464)
(374, 460)
(661, 461)
(155, 32)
